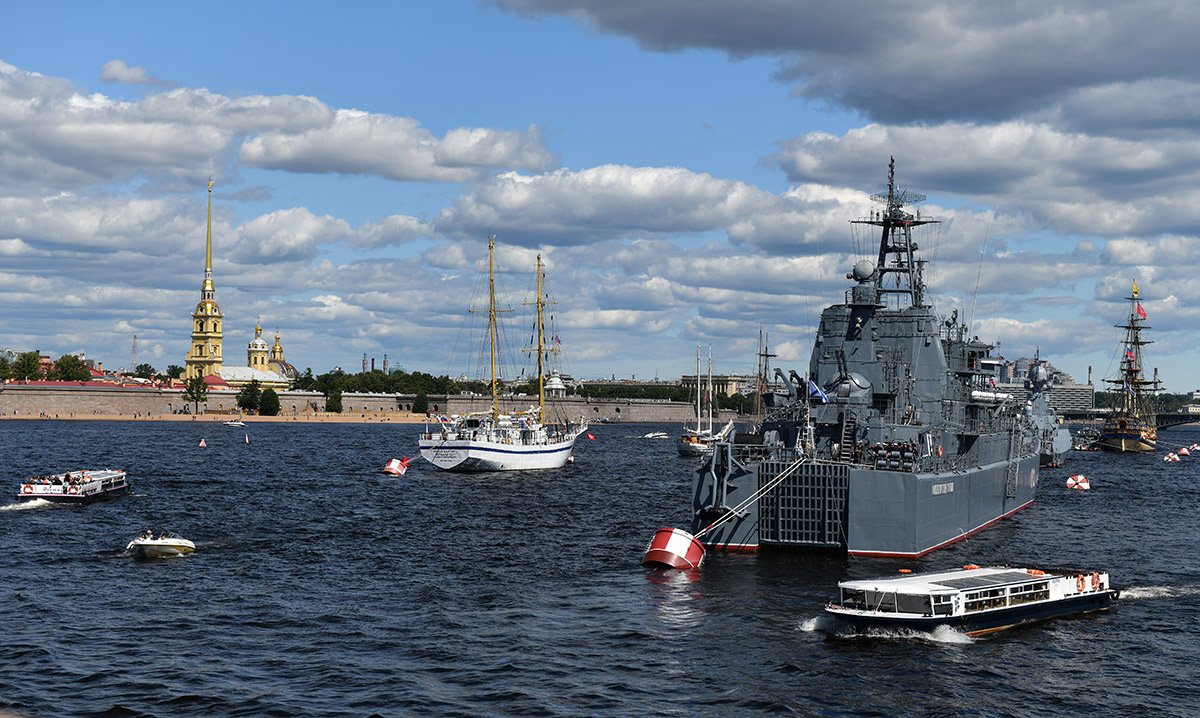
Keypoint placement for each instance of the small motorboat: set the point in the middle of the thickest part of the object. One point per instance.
(655, 435)
(165, 545)
(972, 599)
(236, 423)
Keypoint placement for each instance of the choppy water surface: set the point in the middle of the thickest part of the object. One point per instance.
(322, 587)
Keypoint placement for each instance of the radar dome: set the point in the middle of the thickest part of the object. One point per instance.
(863, 270)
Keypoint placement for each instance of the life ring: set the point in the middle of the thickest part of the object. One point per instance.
(1095, 581)
(939, 452)
(1079, 583)
(27, 489)
(73, 489)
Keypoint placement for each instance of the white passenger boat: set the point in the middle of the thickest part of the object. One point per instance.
(496, 441)
(971, 599)
(74, 487)
(165, 545)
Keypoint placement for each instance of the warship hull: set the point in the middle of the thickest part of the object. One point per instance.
(862, 511)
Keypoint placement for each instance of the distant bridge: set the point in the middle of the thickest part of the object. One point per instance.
(1163, 421)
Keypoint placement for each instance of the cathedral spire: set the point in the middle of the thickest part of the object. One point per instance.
(208, 282)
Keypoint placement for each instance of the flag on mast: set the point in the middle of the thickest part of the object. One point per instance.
(1141, 312)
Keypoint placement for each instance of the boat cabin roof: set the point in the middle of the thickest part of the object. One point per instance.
(958, 579)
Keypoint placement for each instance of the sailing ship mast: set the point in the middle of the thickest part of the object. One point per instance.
(492, 325)
(1131, 384)
(541, 346)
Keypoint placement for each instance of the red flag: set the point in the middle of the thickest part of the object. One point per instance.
(1141, 312)
(589, 436)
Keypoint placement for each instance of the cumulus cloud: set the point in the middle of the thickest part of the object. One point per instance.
(118, 71)
(398, 148)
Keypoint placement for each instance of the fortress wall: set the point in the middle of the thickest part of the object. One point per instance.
(34, 400)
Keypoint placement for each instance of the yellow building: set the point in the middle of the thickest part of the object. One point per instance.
(205, 355)
(257, 368)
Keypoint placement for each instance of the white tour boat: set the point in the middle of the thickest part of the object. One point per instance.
(971, 599)
(165, 545)
(495, 441)
(74, 487)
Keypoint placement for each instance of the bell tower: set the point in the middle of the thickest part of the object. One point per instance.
(204, 358)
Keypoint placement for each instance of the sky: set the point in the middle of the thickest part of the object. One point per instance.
(687, 170)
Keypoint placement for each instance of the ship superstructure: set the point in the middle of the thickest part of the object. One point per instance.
(894, 444)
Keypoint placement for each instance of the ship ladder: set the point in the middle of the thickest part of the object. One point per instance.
(846, 447)
(762, 491)
(1014, 453)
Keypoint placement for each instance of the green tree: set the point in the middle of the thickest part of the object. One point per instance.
(144, 371)
(175, 371)
(69, 367)
(420, 404)
(250, 396)
(195, 391)
(26, 366)
(5, 369)
(333, 401)
(306, 381)
(268, 405)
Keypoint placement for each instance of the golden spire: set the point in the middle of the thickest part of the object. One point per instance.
(1135, 292)
(208, 282)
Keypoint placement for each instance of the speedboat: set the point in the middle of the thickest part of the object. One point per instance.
(655, 435)
(74, 487)
(165, 545)
(235, 423)
(972, 599)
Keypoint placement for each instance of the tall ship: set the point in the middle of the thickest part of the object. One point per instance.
(700, 441)
(1132, 425)
(503, 441)
(894, 444)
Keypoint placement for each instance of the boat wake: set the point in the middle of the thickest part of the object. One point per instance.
(22, 505)
(940, 634)
(1139, 593)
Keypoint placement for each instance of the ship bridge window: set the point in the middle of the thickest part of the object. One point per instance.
(881, 601)
(1030, 592)
(908, 603)
(942, 605)
(984, 600)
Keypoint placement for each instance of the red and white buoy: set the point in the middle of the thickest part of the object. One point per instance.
(1184, 452)
(1171, 458)
(1195, 447)
(1079, 481)
(396, 467)
(674, 548)
(202, 444)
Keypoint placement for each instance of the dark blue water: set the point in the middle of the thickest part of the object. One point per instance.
(321, 587)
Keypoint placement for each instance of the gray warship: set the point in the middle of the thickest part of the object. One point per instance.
(1056, 437)
(893, 445)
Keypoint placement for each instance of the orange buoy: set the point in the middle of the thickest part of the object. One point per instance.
(970, 567)
(905, 570)
(674, 548)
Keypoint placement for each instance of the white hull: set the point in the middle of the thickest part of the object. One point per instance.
(481, 455)
(160, 548)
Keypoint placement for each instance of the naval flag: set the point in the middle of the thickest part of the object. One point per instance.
(815, 391)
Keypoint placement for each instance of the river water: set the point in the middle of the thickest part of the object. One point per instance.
(322, 587)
